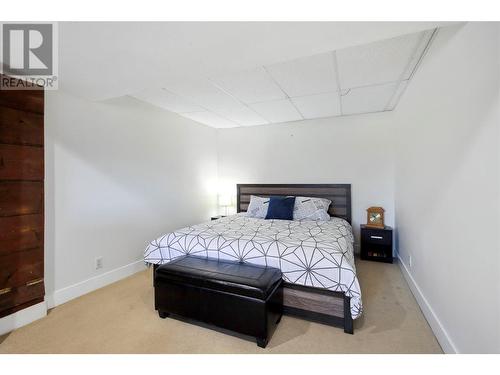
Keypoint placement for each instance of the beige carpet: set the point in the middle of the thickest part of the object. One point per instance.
(120, 319)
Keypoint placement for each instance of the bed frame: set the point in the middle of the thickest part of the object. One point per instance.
(321, 305)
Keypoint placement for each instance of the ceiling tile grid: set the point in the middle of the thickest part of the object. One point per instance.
(216, 100)
(277, 111)
(305, 76)
(368, 99)
(354, 80)
(319, 105)
(375, 63)
(251, 86)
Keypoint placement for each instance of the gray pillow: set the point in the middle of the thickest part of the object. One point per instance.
(309, 208)
(258, 207)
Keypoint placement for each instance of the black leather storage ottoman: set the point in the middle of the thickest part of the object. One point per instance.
(240, 297)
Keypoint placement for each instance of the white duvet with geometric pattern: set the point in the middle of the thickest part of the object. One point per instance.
(312, 253)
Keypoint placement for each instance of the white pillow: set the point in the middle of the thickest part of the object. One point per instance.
(308, 208)
(258, 207)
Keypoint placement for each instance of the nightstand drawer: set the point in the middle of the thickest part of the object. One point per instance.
(377, 236)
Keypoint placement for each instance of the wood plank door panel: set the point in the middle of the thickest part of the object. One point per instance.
(24, 100)
(17, 296)
(21, 199)
(21, 268)
(20, 127)
(20, 233)
(21, 163)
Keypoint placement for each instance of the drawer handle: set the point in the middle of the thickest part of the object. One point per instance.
(34, 282)
(377, 237)
(5, 291)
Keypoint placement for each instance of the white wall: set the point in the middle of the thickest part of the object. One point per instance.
(354, 149)
(447, 187)
(118, 175)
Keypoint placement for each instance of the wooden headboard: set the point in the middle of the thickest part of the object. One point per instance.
(339, 194)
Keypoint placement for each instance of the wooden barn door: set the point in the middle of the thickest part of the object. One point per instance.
(21, 199)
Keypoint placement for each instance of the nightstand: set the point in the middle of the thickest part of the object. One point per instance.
(216, 217)
(376, 244)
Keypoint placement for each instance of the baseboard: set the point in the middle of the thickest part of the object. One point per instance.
(79, 289)
(22, 317)
(442, 336)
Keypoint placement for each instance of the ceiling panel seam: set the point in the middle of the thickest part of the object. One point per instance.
(202, 107)
(342, 92)
(284, 92)
(394, 99)
(424, 52)
(406, 73)
(337, 77)
(185, 99)
(227, 92)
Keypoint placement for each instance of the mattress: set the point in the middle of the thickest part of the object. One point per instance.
(318, 254)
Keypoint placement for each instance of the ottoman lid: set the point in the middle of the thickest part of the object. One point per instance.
(229, 276)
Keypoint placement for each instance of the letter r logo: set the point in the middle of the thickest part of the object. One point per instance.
(27, 49)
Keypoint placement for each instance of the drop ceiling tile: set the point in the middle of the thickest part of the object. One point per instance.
(368, 99)
(167, 100)
(251, 86)
(210, 119)
(242, 115)
(379, 62)
(215, 100)
(320, 105)
(305, 76)
(277, 111)
(419, 51)
(204, 94)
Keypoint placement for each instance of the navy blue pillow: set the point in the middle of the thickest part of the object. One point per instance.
(280, 208)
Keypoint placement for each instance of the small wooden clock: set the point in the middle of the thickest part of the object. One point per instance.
(375, 217)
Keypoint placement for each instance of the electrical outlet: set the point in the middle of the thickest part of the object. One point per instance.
(98, 263)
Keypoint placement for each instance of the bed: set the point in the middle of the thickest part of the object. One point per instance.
(316, 257)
